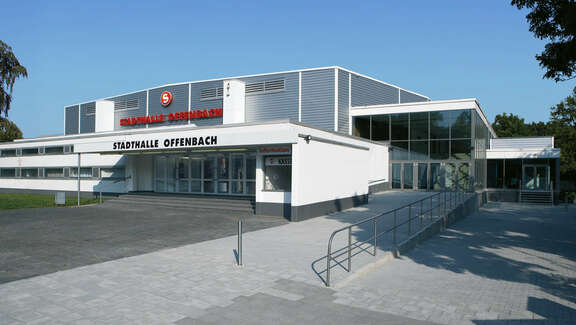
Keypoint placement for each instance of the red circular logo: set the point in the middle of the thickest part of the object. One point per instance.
(166, 98)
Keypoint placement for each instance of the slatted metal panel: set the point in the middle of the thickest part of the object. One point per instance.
(522, 143)
(369, 92)
(71, 120)
(318, 98)
(343, 91)
(273, 103)
(88, 117)
(408, 97)
(179, 104)
(197, 103)
(124, 108)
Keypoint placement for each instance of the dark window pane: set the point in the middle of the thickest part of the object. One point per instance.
(29, 172)
(439, 149)
(436, 176)
(8, 172)
(53, 150)
(29, 151)
(396, 175)
(362, 127)
(439, 125)
(380, 128)
(399, 124)
(513, 173)
(419, 150)
(495, 173)
(399, 150)
(408, 176)
(422, 176)
(419, 126)
(461, 123)
(461, 149)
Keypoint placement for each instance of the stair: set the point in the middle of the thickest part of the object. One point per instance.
(242, 205)
(533, 197)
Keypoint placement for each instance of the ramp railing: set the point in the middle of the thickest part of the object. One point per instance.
(419, 214)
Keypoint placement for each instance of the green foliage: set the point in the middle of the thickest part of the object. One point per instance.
(23, 201)
(10, 70)
(510, 125)
(554, 20)
(8, 130)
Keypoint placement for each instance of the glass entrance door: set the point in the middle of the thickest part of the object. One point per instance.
(222, 173)
(402, 176)
(535, 177)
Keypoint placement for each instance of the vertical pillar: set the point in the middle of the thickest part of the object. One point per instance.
(78, 179)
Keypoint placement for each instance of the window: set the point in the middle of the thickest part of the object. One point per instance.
(399, 150)
(278, 173)
(111, 172)
(29, 172)
(362, 126)
(460, 149)
(419, 126)
(8, 153)
(380, 128)
(84, 172)
(439, 149)
(29, 151)
(53, 172)
(461, 124)
(439, 125)
(7, 172)
(419, 150)
(54, 150)
(399, 124)
(513, 172)
(495, 173)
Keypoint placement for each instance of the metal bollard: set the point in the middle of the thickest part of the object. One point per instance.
(349, 249)
(239, 252)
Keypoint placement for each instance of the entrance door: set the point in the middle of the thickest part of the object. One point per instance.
(402, 176)
(422, 176)
(535, 177)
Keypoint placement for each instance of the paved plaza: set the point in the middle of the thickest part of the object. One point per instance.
(507, 262)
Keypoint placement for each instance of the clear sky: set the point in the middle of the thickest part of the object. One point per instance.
(77, 51)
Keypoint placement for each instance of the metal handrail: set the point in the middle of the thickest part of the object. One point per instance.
(451, 198)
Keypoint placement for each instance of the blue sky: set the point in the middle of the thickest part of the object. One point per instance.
(78, 51)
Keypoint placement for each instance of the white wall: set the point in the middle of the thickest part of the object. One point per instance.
(69, 160)
(234, 102)
(86, 185)
(324, 171)
(104, 116)
(379, 162)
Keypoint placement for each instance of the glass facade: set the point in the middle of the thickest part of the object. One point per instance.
(431, 150)
(219, 173)
(525, 174)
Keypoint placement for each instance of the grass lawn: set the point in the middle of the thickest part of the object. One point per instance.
(21, 201)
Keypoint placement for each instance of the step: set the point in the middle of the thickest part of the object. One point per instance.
(224, 208)
(188, 201)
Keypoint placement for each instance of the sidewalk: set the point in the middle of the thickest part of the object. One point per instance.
(172, 284)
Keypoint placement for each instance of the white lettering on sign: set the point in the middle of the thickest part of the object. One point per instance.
(279, 161)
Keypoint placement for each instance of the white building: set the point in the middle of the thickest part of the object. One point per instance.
(300, 143)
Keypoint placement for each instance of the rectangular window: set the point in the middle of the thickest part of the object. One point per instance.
(54, 172)
(380, 128)
(29, 172)
(439, 125)
(461, 124)
(513, 173)
(7, 172)
(399, 124)
(84, 172)
(399, 150)
(419, 126)
(419, 150)
(8, 153)
(54, 150)
(461, 149)
(278, 173)
(362, 127)
(495, 173)
(29, 151)
(439, 149)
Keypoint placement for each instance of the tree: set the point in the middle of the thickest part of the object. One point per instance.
(10, 70)
(563, 126)
(554, 20)
(8, 130)
(510, 125)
